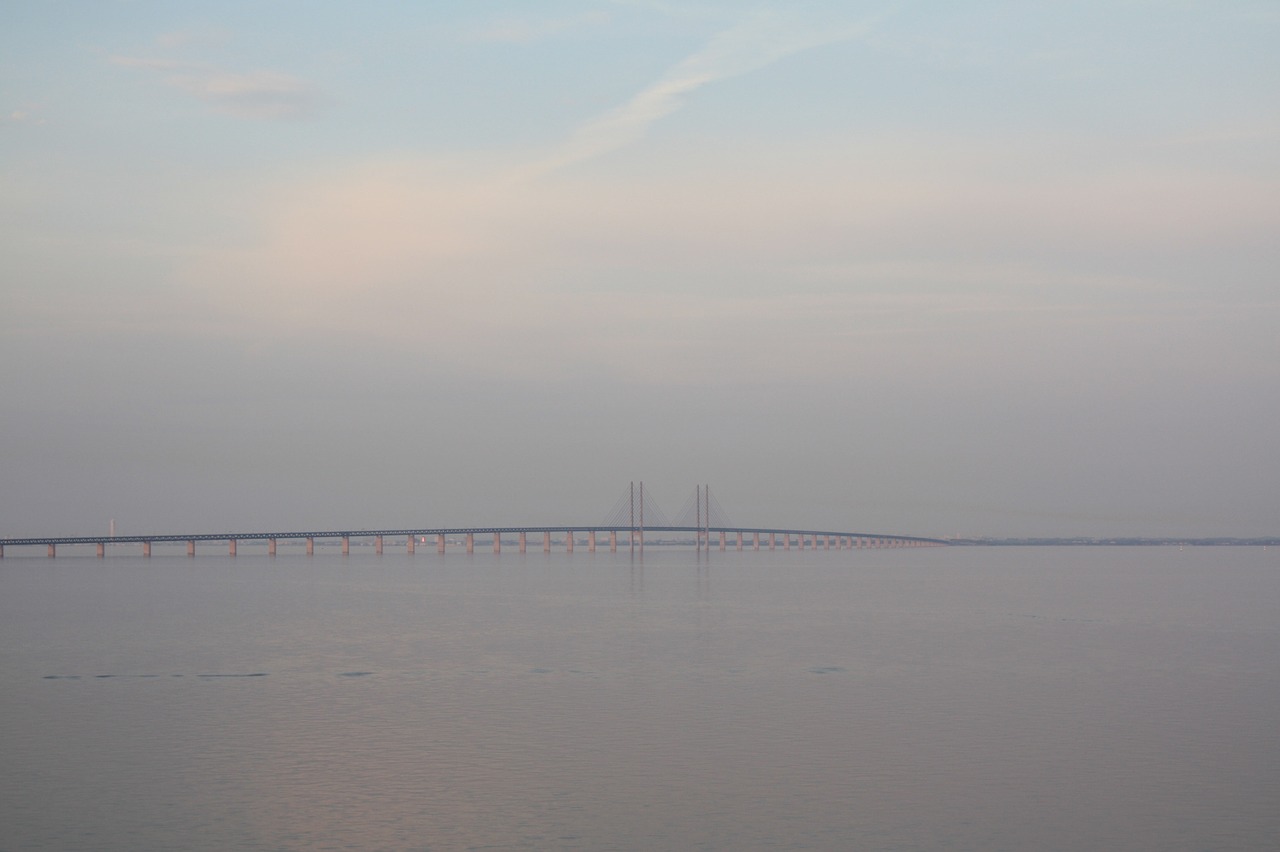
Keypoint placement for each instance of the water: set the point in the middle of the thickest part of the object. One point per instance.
(946, 698)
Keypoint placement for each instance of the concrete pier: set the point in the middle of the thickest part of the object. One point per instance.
(471, 542)
(524, 544)
(311, 546)
(346, 545)
(439, 542)
(377, 545)
(53, 551)
(410, 543)
(613, 542)
(231, 547)
(497, 542)
(568, 541)
(546, 542)
(102, 549)
(591, 541)
(191, 547)
(271, 547)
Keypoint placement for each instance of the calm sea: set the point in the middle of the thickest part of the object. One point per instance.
(931, 699)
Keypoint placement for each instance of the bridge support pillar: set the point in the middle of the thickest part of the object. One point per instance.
(102, 550)
(271, 547)
(523, 543)
(346, 545)
(439, 542)
(231, 547)
(613, 542)
(146, 549)
(497, 542)
(546, 542)
(53, 550)
(739, 539)
(591, 541)
(471, 542)
(568, 541)
(311, 546)
(191, 547)
(773, 540)
(786, 541)
(410, 543)
(377, 545)
(722, 537)
(755, 541)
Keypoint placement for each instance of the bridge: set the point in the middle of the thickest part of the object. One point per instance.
(626, 523)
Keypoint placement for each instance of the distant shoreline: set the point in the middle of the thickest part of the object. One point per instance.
(1116, 542)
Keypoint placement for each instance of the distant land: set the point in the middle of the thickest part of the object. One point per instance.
(1117, 542)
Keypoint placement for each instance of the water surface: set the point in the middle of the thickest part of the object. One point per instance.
(942, 698)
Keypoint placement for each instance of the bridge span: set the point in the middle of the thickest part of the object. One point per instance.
(562, 537)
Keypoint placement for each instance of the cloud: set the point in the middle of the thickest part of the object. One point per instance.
(523, 31)
(24, 115)
(758, 40)
(844, 252)
(253, 95)
(149, 64)
(193, 36)
(261, 94)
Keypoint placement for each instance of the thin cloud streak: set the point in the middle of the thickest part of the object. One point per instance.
(514, 31)
(756, 42)
(254, 95)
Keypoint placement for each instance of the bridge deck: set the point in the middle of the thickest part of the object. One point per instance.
(448, 531)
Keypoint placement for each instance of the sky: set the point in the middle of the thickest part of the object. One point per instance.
(922, 268)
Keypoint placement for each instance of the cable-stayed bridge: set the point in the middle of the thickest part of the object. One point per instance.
(701, 523)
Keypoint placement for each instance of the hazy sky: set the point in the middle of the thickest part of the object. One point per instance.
(1004, 268)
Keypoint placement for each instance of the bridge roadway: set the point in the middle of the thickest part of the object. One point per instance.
(632, 537)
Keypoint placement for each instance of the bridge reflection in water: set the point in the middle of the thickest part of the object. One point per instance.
(625, 527)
